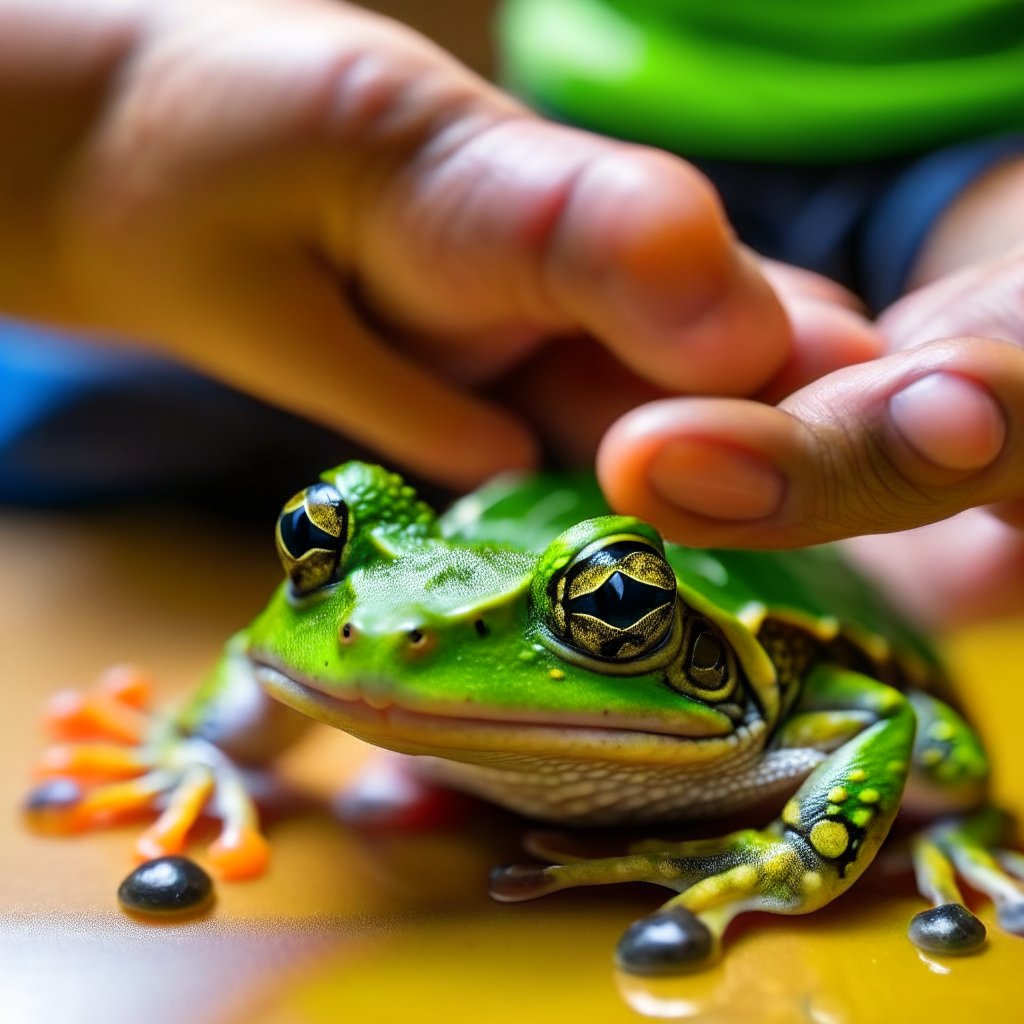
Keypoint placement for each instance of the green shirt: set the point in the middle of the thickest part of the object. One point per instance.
(784, 80)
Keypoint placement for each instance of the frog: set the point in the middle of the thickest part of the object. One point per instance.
(534, 648)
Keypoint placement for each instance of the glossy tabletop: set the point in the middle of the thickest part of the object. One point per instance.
(389, 927)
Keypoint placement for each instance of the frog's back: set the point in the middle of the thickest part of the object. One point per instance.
(779, 595)
(813, 591)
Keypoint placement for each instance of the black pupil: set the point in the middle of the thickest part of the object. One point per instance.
(300, 535)
(707, 652)
(621, 600)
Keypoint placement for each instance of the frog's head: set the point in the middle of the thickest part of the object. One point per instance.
(413, 638)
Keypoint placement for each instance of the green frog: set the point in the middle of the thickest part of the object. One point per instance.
(533, 649)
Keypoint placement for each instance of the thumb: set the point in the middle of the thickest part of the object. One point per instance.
(888, 445)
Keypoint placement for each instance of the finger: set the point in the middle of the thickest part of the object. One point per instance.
(967, 568)
(572, 391)
(903, 441)
(983, 300)
(826, 337)
(789, 280)
(307, 351)
(520, 220)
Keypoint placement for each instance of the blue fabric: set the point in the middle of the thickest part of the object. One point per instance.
(900, 221)
(84, 424)
(862, 224)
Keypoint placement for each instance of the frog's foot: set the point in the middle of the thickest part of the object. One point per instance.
(825, 837)
(774, 870)
(966, 847)
(122, 762)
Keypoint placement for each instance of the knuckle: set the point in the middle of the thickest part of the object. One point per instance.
(860, 485)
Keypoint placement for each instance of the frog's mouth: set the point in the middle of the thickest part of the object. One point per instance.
(461, 732)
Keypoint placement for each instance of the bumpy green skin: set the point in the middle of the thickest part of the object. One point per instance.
(435, 638)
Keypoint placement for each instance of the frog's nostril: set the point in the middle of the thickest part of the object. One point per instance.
(420, 642)
(348, 634)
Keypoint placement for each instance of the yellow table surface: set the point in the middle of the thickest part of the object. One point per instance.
(348, 927)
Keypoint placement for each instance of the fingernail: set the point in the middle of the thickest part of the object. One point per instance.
(716, 480)
(950, 420)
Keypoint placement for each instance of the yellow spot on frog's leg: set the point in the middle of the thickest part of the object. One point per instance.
(869, 796)
(832, 809)
(862, 816)
(896, 767)
(781, 863)
(837, 794)
(940, 731)
(791, 813)
(812, 881)
(857, 775)
(829, 838)
(556, 673)
(744, 875)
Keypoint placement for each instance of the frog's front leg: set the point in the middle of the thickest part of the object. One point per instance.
(826, 836)
(122, 760)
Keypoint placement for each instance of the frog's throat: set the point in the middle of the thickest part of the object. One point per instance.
(439, 734)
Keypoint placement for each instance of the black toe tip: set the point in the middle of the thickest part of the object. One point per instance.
(951, 929)
(668, 942)
(53, 795)
(1011, 917)
(512, 882)
(166, 886)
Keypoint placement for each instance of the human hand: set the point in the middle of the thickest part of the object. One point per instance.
(929, 431)
(323, 209)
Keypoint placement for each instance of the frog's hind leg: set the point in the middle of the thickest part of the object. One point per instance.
(949, 774)
(825, 837)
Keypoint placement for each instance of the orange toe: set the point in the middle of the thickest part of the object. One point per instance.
(240, 853)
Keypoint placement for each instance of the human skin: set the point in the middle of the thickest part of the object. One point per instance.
(931, 430)
(323, 209)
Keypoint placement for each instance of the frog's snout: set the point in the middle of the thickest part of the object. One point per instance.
(412, 643)
(419, 643)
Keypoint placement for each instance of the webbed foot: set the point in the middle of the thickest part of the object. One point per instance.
(119, 760)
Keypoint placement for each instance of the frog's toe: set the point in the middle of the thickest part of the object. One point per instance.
(966, 847)
(1011, 916)
(92, 762)
(61, 806)
(50, 806)
(670, 941)
(511, 883)
(114, 710)
(166, 887)
(950, 929)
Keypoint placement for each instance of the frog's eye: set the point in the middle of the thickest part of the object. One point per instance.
(311, 533)
(707, 666)
(615, 601)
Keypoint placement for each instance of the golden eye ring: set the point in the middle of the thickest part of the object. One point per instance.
(311, 534)
(614, 603)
